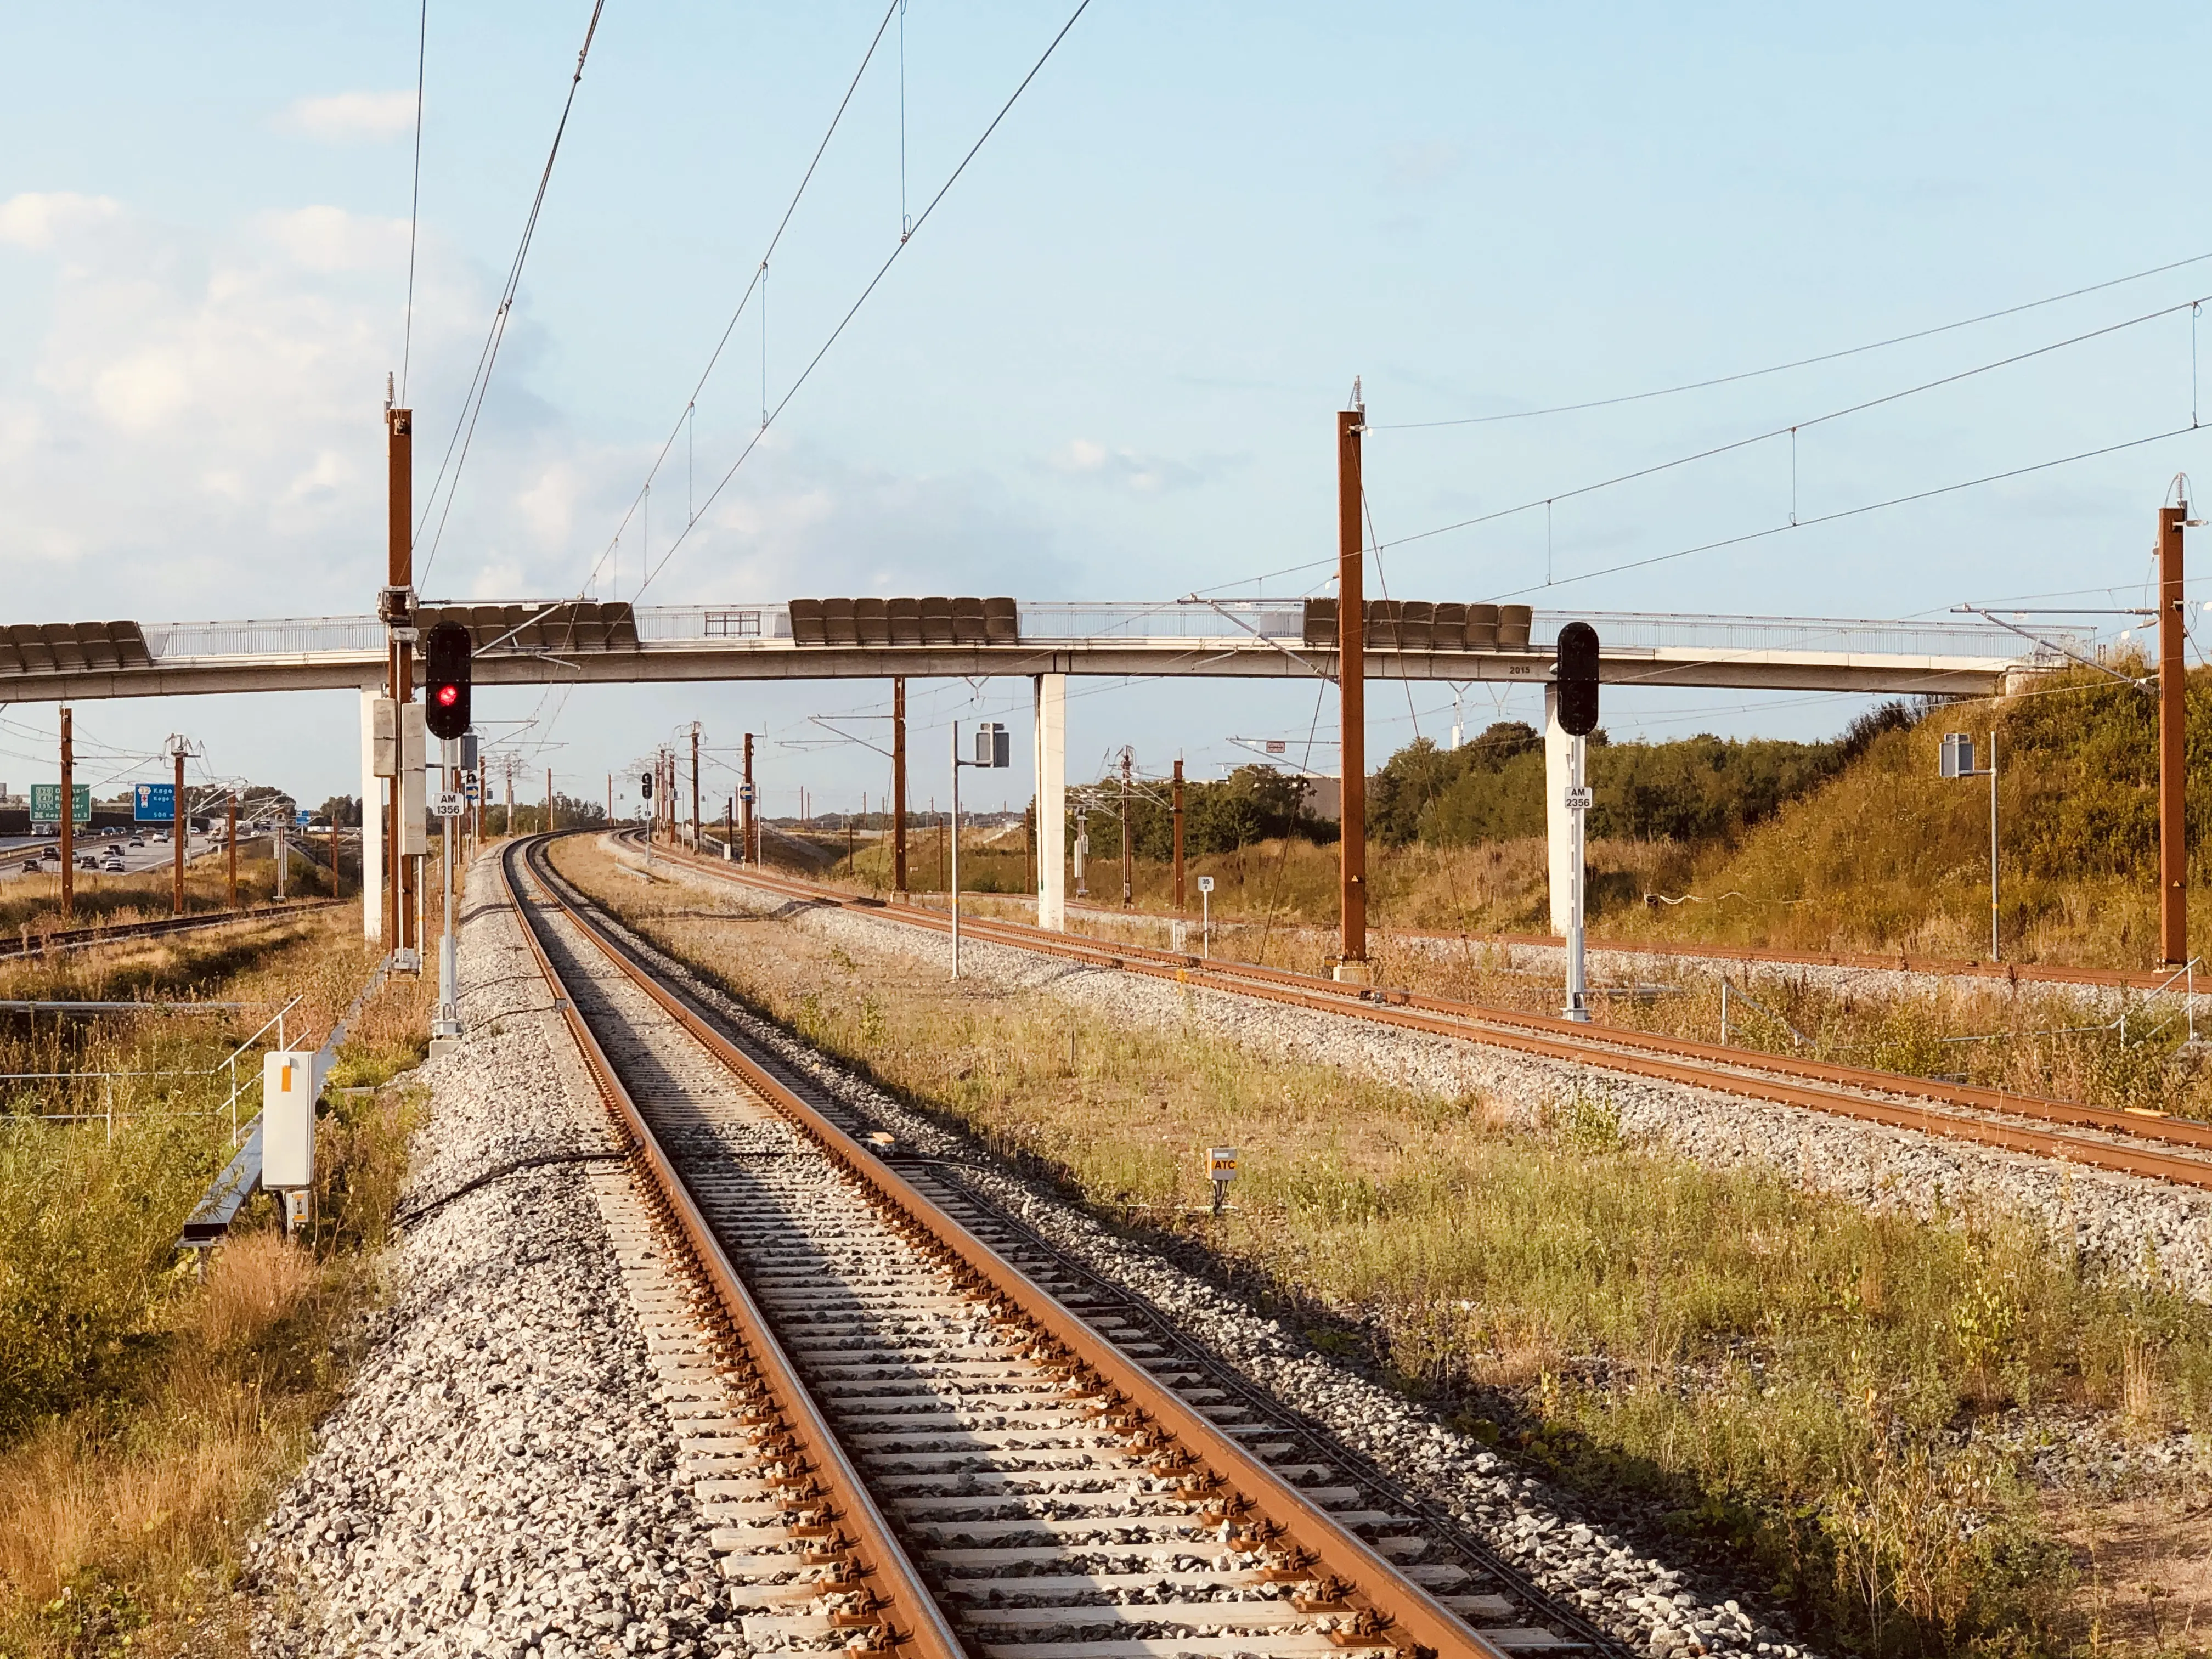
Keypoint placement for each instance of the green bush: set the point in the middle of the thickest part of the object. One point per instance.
(87, 1238)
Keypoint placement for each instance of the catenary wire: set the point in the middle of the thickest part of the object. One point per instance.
(1792, 426)
(414, 199)
(465, 426)
(1868, 507)
(882, 272)
(1801, 363)
(751, 287)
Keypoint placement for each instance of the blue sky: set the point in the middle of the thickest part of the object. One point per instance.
(1107, 367)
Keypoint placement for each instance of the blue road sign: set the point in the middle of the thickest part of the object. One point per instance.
(746, 793)
(303, 820)
(153, 803)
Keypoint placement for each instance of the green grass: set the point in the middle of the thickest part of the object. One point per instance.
(146, 1415)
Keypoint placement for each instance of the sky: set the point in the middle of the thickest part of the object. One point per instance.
(1106, 363)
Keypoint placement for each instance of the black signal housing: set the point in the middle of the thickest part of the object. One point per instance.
(1576, 676)
(447, 650)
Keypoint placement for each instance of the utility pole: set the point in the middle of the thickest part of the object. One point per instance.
(1129, 843)
(1174, 811)
(232, 838)
(2173, 687)
(510, 795)
(610, 797)
(745, 799)
(1351, 695)
(548, 799)
(482, 782)
(67, 811)
(898, 785)
(178, 828)
(695, 843)
(399, 615)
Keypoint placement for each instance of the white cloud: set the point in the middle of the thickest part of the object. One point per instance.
(38, 219)
(1122, 469)
(330, 239)
(347, 118)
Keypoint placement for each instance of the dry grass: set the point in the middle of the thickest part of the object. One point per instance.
(131, 1470)
(1794, 1383)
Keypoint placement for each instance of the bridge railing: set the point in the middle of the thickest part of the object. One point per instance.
(1279, 622)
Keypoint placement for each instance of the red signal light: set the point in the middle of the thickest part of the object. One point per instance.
(448, 695)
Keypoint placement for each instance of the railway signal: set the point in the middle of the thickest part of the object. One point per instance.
(1574, 682)
(447, 690)
(994, 748)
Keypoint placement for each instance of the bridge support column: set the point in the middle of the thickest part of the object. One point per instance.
(1051, 736)
(1558, 822)
(372, 823)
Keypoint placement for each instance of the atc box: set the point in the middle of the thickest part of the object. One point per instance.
(290, 1081)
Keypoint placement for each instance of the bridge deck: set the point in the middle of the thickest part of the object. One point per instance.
(1240, 639)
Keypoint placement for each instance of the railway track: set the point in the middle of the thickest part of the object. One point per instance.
(943, 1435)
(2176, 1150)
(75, 938)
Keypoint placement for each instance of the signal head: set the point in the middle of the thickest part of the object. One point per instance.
(448, 651)
(1576, 676)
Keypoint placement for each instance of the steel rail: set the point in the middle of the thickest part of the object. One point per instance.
(1935, 1109)
(905, 1618)
(72, 939)
(1261, 1511)
(2038, 973)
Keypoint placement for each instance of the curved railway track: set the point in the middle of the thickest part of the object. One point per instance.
(2176, 1150)
(945, 1438)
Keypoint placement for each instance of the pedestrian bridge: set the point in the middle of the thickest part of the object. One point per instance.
(566, 642)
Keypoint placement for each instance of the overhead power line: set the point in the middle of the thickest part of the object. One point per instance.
(414, 199)
(465, 425)
(1792, 428)
(884, 271)
(760, 273)
(1855, 512)
(1799, 362)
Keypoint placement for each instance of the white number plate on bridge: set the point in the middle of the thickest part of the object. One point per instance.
(449, 803)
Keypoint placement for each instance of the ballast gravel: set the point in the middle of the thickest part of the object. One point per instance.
(501, 1479)
(1640, 1599)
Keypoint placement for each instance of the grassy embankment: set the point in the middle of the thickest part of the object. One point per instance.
(33, 902)
(1815, 1399)
(1862, 848)
(1857, 846)
(146, 1416)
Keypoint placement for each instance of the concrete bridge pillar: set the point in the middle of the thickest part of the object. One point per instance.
(1050, 730)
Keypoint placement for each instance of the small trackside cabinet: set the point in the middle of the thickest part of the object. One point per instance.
(290, 1081)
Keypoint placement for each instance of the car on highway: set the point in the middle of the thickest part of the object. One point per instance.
(88, 862)
(31, 866)
(136, 842)
(113, 867)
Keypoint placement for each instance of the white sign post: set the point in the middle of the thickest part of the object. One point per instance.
(1578, 803)
(1206, 916)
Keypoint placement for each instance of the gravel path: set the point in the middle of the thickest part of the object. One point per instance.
(2117, 1223)
(503, 1478)
(1643, 1600)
